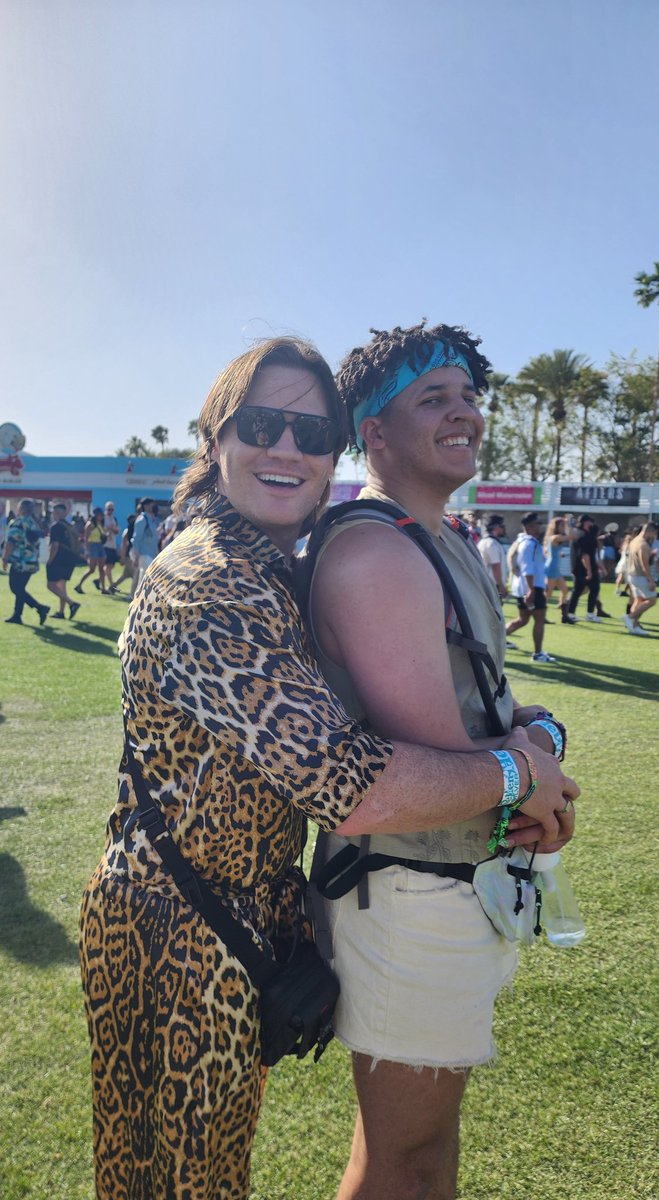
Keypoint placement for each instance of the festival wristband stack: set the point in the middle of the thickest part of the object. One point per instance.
(511, 799)
(556, 731)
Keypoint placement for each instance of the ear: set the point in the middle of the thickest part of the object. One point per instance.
(371, 432)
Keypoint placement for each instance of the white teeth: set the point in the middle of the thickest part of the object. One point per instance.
(280, 478)
(455, 441)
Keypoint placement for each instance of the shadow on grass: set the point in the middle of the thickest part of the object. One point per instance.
(581, 673)
(26, 932)
(7, 814)
(83, 645)
(107, 633)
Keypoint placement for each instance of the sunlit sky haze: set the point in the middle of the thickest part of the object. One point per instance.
(180, 178)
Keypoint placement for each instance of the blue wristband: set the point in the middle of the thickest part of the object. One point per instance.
(511, 781)
(554, 733)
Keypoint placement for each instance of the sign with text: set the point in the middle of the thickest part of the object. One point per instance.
(345, 491)
(596, 495)
(488, 494)
(11, 468)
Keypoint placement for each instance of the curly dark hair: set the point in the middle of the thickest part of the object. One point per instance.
(365, 368)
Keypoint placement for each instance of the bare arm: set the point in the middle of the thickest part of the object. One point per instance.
(390, 639)
(423, 788)
(389, 635)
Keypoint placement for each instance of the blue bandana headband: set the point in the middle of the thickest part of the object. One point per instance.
(442, 356)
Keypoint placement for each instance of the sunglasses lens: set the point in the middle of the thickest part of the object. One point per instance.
(259, 426)
(264, 427)
(314, 435)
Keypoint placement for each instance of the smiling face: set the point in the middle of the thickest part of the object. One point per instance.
(275, 487)
(430, 433)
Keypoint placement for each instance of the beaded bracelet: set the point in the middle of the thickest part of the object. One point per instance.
(498, 837)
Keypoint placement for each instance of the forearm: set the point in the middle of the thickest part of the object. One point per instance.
(421, 788)
(498, 575)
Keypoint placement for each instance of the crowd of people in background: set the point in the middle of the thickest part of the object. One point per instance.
(569, 556)
(542, 560)
(93, 543)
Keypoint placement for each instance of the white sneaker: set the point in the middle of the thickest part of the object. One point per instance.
(639, 631)
(593, 617)
(542, 657)
(629, 623)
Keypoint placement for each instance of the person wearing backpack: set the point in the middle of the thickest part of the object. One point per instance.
(420, 964)
(61, 561)
(529, 582)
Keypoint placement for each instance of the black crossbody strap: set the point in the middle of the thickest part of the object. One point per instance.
(259, 965)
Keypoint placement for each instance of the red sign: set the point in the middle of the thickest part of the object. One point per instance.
(501, 494)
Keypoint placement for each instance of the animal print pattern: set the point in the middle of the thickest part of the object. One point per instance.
(238, 738)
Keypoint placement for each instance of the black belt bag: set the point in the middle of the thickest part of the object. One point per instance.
(298, 996)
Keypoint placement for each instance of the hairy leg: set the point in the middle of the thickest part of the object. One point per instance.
(538, 628)
(518, 622)
(406, 1140)
(58, 589)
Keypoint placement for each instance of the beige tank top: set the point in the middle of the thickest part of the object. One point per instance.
(466, 841)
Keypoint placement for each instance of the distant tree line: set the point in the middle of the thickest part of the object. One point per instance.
(559, 417)
(136, 447)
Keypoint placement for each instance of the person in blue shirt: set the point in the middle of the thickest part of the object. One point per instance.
(529, 583)
(146, 537)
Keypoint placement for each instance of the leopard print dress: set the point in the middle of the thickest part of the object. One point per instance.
(238, 739)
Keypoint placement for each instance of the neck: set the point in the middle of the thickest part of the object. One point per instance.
(283, 539)
(426, 507)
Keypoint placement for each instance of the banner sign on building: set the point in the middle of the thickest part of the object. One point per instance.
(595, 495)
(11, 468)
(345, 491)
(495, 493)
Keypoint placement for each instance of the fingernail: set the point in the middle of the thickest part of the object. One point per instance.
(505, 842)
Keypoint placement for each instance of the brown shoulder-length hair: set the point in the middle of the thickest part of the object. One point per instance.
(553, 530)
(231, 390)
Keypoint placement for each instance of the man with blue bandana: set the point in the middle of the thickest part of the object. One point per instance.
(419, 962)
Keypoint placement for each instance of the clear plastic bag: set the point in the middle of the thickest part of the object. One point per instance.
(508, 895)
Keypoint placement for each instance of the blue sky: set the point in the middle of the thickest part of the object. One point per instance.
(182, 176)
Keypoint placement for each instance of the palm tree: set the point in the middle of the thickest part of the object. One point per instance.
(495, 398)
(134, 448)
(160, 435)
(646, 293)
(193, 430)
(588, 389)
(549, 379)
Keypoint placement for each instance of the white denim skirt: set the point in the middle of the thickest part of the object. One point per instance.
(420, 970)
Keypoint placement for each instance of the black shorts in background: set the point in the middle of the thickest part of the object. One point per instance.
(539, 601)
(60, 568)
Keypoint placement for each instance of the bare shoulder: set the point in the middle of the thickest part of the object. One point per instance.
(372, 551)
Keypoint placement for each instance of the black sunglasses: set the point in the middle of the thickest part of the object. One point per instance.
(264, 427)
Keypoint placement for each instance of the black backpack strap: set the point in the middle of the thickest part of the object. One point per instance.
(344, 870)
(258, 964)
(391, 514)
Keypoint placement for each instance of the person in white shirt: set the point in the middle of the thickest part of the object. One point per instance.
(111, 527)
(493, 553)
(529, 584)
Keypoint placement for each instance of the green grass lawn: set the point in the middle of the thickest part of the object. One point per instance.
(568, 1111)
